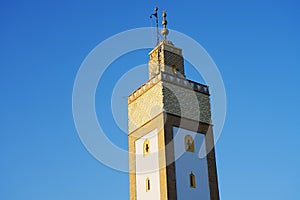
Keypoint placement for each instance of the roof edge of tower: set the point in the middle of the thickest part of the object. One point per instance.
(168, 46)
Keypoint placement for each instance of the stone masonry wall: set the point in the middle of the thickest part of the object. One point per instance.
(186, 103)
(145, 107)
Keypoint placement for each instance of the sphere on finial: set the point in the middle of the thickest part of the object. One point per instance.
(165, 32)
(164, 21)
(156, 9)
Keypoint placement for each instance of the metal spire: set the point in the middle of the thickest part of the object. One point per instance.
(157, 32)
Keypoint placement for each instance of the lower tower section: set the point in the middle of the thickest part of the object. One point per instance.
(170, 133)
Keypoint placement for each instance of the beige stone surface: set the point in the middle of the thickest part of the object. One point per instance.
(158, 95)
(186, 103)
(166, 58)
(145, 107)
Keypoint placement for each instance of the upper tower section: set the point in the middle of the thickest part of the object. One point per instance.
(165, 57)
(167, 90)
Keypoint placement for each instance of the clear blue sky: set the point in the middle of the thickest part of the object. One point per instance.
(255, 44)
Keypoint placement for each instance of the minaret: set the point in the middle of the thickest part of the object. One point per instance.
(169, 121)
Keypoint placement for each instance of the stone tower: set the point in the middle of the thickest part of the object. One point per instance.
(169, 122)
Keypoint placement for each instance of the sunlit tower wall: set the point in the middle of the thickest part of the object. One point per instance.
(169, 122)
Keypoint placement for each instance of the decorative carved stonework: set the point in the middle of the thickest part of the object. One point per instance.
(171, 94)
(165, 57)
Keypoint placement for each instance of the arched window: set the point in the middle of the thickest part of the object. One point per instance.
(146, 147)
(147, 184)
(192, 180)
(189, 143)
(175, 70)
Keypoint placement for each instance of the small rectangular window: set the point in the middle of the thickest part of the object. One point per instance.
(147, 185)
(146, 147)
(192, 180)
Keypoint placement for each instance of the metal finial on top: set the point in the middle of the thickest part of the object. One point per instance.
(164, 31)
